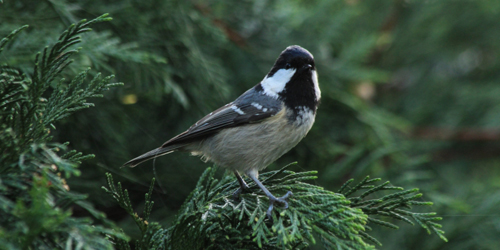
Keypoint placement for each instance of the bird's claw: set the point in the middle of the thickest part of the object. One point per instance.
(241, 189)
(282, 200)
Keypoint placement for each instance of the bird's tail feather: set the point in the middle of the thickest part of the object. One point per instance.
(151, 155)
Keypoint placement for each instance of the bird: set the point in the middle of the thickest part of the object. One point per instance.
(258, 127)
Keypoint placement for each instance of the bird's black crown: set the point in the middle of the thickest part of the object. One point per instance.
(292, 57)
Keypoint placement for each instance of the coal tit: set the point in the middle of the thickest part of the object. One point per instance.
(257, 128)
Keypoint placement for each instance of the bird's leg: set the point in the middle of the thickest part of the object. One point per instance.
(243, 186)
(272, 199)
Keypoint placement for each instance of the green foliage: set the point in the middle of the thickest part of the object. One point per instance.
(6, 39)
(395, 205)
(34, 193)
(122, 198)
(153, 235)
(211, 219)
(242, 224)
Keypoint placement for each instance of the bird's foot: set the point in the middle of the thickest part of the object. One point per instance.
(281, 200)
(243, 188)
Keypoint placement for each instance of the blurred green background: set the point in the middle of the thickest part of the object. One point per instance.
(411, 94)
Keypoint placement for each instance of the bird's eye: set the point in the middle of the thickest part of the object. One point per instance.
(288, 65)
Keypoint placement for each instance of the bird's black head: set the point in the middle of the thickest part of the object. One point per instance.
(293, 79)
(293, 57)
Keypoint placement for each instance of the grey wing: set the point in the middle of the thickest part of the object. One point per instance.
(230, 115)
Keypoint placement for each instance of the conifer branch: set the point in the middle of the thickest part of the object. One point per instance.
(9, 37)
(153, 235)
(210, 217)
(395, 205)
(121, 197)
(35, 197)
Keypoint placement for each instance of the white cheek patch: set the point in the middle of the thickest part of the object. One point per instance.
(316, 85)
(276, 84)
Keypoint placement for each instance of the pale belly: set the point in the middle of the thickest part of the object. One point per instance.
(251, 148)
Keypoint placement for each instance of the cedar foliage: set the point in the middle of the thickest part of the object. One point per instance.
(36, 201)
(211, 219)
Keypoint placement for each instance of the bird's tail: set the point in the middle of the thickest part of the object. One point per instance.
(151, 155)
